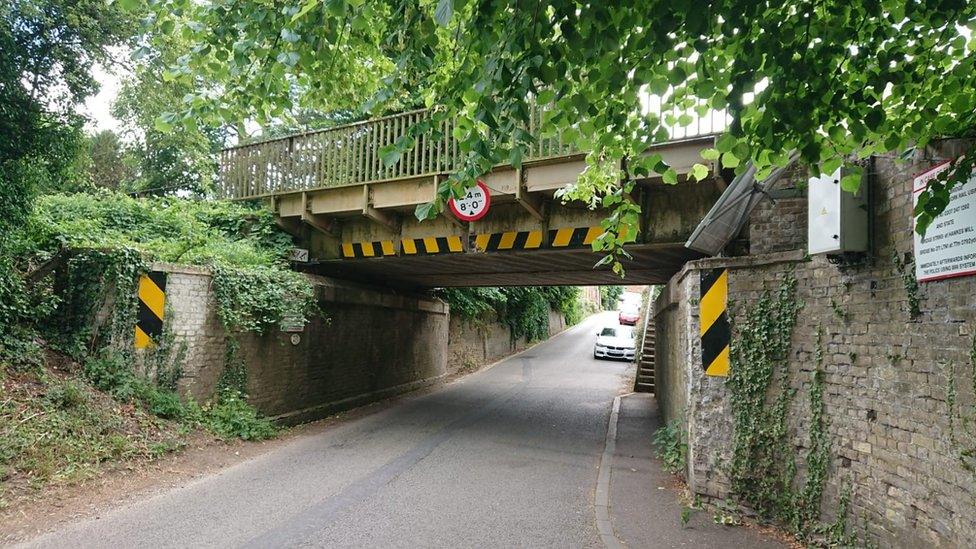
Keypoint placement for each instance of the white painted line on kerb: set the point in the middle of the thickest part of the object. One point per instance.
(603, 525)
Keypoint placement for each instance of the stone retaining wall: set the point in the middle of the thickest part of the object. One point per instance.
(898, 390)
(475, 343)
(374, 344)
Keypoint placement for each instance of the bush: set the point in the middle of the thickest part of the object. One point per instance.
(160, 402)
(111, 373)
(66, 395)
(670, 447)
(230, 416)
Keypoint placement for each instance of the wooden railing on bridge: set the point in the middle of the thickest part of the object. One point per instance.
(351, 154)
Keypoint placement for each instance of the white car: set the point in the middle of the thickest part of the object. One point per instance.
(614, 342)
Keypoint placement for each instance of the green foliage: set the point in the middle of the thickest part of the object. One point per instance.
(473, 303)
(165, 229)
(671, 448)
(258, 298)
(826, 79)
(167, 162)
(60, 430)
(609, 297)
(87, 309)
(763, 468)
(807, 503)
(231, 416)
(525, 310)
(49, 49)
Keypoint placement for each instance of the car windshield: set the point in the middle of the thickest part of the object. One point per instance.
(609, 332)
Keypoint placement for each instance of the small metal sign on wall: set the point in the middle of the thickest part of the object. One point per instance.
(714, 321)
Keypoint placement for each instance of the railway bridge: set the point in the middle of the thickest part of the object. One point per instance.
(331, 189)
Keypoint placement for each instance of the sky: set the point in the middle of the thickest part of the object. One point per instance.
(98, 107)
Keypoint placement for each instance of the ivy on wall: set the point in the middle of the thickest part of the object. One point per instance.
(764, 461)
(525, 310)
(962, 419)
(90, 250)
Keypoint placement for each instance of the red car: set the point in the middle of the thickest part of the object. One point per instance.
(628, 318)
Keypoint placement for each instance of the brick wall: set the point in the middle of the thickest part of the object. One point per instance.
(897, 437)
(374, 344)
(779, 223)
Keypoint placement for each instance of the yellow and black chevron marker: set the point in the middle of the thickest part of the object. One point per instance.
(431, 245)
(573, 237)
(714, 321)
(152, 303)
(378, 248)
(510, 240)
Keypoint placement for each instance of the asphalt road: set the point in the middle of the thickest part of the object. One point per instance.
(505, 457)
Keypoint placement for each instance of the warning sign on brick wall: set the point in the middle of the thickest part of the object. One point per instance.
(949, 246)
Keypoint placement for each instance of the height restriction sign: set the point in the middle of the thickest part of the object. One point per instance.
(474, 205)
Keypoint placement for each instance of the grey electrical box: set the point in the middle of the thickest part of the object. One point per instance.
(837, 221)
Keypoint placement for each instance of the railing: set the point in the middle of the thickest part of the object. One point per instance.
(350, 154)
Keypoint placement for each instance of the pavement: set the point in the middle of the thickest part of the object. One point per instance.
(506, 457)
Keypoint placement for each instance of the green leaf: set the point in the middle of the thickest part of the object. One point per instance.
(874, 119)
(162, 125)
(515, 157)
(290, 36)
(729, 160)
(139, 53)
(699, 172)
(390, 155)
(725, 142)
(710, 154)
(831, 166)
(309, 6)
(424, 212)
(851, 182)
(670, 176)
(444, 12)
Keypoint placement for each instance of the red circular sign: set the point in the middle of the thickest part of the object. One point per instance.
(474, 205)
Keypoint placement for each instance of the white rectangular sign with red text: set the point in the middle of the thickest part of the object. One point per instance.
(949, 246)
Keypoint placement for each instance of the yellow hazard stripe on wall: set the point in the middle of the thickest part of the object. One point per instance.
(432, 245)
(152, 306)
(509, 240)
(573, 237)
(378, 248)
(714, 321)
(530, 240)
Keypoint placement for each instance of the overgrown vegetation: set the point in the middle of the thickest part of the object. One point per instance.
(525, 310)
(68, 286)
(671, 447)
(609, 296)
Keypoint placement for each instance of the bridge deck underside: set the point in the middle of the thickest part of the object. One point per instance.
(651, 264)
